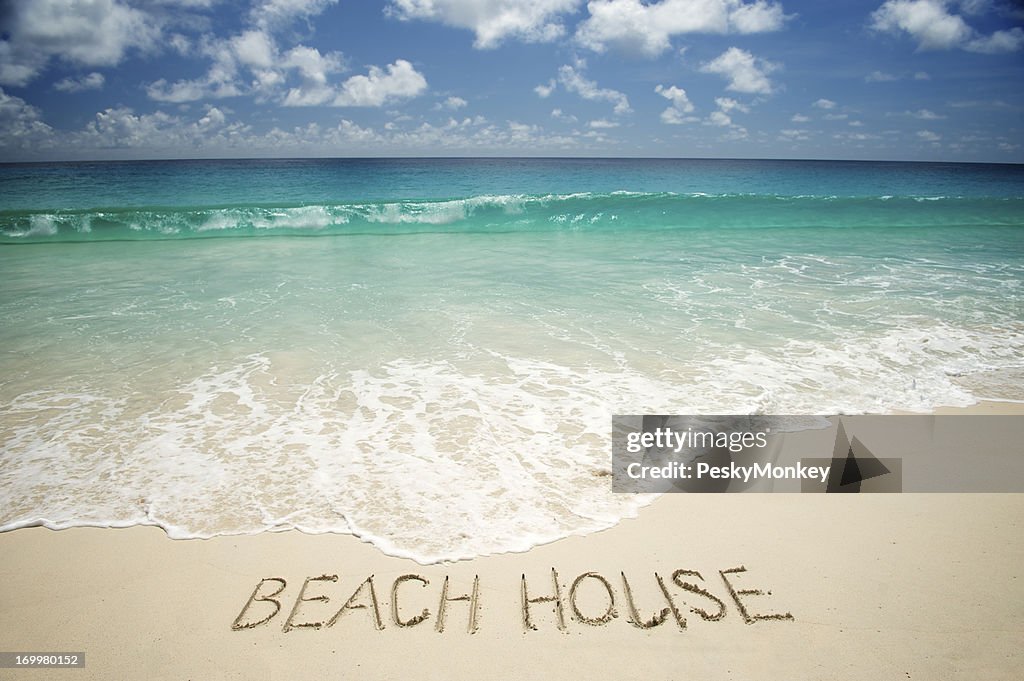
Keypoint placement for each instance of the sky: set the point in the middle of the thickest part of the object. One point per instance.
(929, 80)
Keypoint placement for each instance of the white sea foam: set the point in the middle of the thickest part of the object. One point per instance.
(431, 460)
(442, 212)
(303, 217)
(42, 225)
(418, 458)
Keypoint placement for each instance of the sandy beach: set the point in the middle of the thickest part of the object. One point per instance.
(897, 586)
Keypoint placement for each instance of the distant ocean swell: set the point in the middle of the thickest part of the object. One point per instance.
(508, 213)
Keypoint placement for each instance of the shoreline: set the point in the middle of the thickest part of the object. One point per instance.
(745, 585)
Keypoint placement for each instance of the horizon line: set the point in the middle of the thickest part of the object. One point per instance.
(498, 158)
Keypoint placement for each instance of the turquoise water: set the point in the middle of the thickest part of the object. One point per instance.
(427, 353)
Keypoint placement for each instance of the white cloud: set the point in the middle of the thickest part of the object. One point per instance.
(880, 77)
(214, 118)
(560, 115)
(677, 96)
(313, 68)
(204, 4)
(856, 124)
(177, 92)
(934, 27)
(91, 81)
(17, 69)
(755, 17)
(492, 20)
(728, 104)
(979, 103)
(86, 32)
(672, 116)
(719, 118)
(21, 126)
(311, 65)
(274, 13)
(997, 43)
(836, 116)
(975, 6)
(928, 136)
(855, 136)
(400, 81)
(926, 20)
(180, 44)
(633, 26)
(250, 63)
(454, 103)
(254, 48)
(544, 91)
(512, 136)
(824, 104)
(885, 77)
(574, 81)
(119, 129)
(799, 118)
(681, 105)
(182, 91)
(745, 72)
(723, 117)
(736, 133)
(122, 133)
(221, 79)
(924, 115)
(602, 124)
(794, 135)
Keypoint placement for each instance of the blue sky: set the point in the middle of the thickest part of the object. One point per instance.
(885, 79)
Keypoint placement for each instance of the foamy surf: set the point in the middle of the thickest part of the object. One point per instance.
(424, 459)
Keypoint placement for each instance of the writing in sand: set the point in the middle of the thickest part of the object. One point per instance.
(590, 599)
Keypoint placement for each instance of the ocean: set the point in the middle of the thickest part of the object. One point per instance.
(426, 353)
